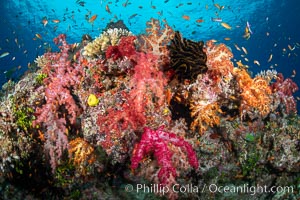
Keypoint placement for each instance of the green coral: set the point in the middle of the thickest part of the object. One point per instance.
(23, 116)
(40, 77)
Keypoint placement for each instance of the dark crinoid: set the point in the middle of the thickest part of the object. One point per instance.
(187, 57)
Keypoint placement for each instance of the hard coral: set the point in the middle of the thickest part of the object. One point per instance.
(157, 141)
(187, 57)
(110, 37)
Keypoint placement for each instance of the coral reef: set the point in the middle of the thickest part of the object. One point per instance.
(155, 109)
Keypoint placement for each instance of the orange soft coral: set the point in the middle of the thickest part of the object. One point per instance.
(82, 153)
(204, 104)
(156, 40)
(205, 116)
(254, 93)
(218, 60)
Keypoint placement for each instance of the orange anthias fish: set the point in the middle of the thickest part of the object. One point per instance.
(107, 9)
(186, 17)
(93, 18)
(199, 20)
(45, 21)
(38, 36)
(55, 21)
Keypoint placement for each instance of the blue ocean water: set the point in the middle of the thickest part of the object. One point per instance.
(274, 23)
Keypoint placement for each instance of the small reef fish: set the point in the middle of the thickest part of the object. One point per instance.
(55, 21)
(45, 21)
(247, 32)
(216, 19)
(81, 3)
(132, 16)
(38, 36)
(4, 54)
(219, 7)
(186, 17)
(241, 65)
(225, 25)
(249, 27)
(290, 48)
(256, 62)
(294, 74)
(244, 50)
(199, 20)
(93, 18)
(270, 58)
(237, 47)
(107, 9)
(227, 38)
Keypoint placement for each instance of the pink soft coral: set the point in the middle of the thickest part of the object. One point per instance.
(60, 108)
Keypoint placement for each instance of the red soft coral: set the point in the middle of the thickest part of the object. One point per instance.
(147, 93)
(147, 77)
(125, 48)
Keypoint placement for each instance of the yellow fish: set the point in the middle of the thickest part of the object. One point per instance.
(246, 33)
(225, 25)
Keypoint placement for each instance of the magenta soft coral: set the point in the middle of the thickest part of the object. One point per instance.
(157, 141)
(285, 88)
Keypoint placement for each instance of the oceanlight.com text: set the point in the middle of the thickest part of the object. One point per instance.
(212, 188)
